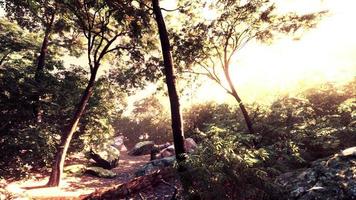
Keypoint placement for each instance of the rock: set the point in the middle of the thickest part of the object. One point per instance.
(142, 148)
(100, 172)
(119, 143)
(331, 178)
(349, 152)
(166, 152)
(155, 165)
(190, 145)
(157, 149)
(105, 156)
(77, 169)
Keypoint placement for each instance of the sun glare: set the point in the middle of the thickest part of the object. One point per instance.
(323, 54)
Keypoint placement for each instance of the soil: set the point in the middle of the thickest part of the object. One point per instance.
(76, 187)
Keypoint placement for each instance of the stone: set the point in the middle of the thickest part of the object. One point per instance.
(166, 152)
(157, 149)
(331, 178)
(105, 156)
(119, 143)
(349, 152)
(77, 169)
(190, 145)
(155, 165)
(142, 148)
(100, 172)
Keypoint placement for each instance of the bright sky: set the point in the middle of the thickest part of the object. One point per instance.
(326, 53)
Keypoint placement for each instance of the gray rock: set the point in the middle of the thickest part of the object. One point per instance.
(100, 172)
(76, 169)
(332, 178)
(168, 151)
(142, 148)
(119, 143)
(105, 156)
(155, 165)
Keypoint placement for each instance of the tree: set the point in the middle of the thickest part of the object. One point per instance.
(213, 44)
(107, 30)
(14, 40)
(177, 123)
(50, 17)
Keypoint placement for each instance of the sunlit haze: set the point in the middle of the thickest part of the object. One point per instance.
(325, 53)
(262, 72)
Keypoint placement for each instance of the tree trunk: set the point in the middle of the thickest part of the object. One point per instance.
(239, 101)
(57, 167)
(37, 111)
(177, 124)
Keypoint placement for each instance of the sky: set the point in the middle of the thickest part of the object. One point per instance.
(325, 53)
(262, 72)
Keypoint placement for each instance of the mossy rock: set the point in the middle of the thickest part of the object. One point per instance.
(100, 172)
(155, 165)
(330, 178)
(77, 169)
(142, 148)
(105, 156)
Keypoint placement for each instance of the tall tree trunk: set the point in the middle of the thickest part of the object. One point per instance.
(177, 124)
(37, 111)
(239, 101)
(57, 167)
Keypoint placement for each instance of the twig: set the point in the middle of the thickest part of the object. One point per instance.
(141, 196)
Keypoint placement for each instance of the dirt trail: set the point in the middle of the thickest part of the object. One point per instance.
(72, 187)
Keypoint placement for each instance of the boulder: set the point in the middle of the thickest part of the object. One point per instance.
(142, 148)
(166, 152)
(105, 156)
(100, 172)
(331, 178)
(157, 149)
(119, 143)
(76, 169)
(155, 165)
(190, 145)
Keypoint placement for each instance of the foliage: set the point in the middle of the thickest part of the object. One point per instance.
(290, 134)
(149, 120)
(31, 145)
(225, 168)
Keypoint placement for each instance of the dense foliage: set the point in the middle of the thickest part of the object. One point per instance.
(291, 133)
(32, 145)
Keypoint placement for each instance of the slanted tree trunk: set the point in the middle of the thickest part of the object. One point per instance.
(57, 167)
(37, 111)
(177, 124)
(239, 101)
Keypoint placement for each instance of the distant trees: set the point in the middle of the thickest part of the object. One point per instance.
(213, 44)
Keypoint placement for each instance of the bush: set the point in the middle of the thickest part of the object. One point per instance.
(224, 168)
(32, 145)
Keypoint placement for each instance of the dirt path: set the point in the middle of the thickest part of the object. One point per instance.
(72, 187)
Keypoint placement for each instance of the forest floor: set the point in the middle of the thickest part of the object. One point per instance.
(75, 187)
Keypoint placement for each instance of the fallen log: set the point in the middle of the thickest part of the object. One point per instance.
(132, 187)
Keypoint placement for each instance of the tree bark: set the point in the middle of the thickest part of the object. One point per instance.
(57, 167)
(41, 60)
(239, 101)
(177, 124)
